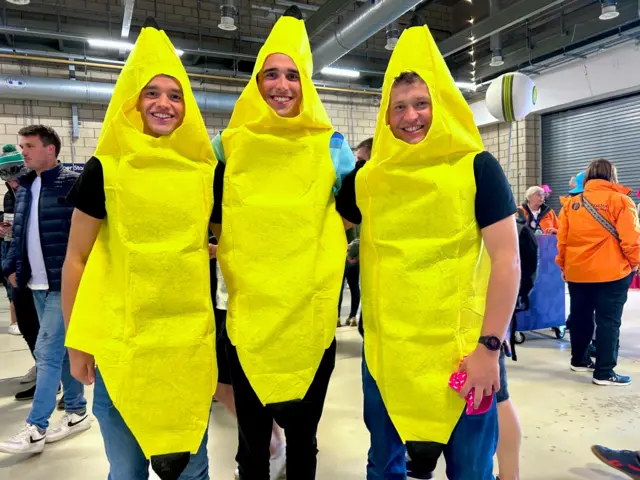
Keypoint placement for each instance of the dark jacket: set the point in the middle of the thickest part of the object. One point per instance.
(9, 202)
(54, 220)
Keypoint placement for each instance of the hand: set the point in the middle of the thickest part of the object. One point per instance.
(564, 279)
(483, 374)
(83, 366)
(5, 228)
(213, 249)
(551, 231)
(12, 280)
(352, 261)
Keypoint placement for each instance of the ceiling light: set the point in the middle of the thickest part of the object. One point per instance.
(609, 10)
(496, 61)
(472, 38)
(473, 73)
(228, 17)
(340, 72)
(118, 45)
(467, 86)
(471, 52)
(19, 2)
(393, 34)
(473, 64)
(110, 44)
(470, 20)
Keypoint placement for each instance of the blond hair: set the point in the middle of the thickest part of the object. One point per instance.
(531, 191)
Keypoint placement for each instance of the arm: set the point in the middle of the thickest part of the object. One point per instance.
(629, 231)
(553, 218)
(82, 237)
(563, 234)
(9, 264)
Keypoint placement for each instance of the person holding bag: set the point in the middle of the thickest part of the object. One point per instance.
(598, 253)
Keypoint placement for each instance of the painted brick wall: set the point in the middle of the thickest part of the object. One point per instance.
(525, 152)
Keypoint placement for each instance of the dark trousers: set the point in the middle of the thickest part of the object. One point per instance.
(26, 315)
(352, 275)
(607, 300)
(298, 418)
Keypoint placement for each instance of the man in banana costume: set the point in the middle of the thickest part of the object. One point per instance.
(440, 270)
(136, 277)
(281, 250)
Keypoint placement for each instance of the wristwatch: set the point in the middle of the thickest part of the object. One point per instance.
(492, 343)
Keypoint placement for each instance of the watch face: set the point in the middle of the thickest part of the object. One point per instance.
(492, 343)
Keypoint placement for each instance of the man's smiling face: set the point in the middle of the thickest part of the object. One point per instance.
(161, 105)
(280, 85)
(410, 111)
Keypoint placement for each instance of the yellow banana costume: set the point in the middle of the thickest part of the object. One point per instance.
(423, 266)
(143, 308)
(283, 243)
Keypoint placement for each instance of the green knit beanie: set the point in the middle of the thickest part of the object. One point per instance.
(11, 163)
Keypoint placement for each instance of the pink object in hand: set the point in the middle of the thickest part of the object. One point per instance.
(457, 381)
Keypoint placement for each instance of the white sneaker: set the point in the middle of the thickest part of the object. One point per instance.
(236, 474)
(70, 424)
(30, 376)
(28, 440)
(278, 463)
(14, 329)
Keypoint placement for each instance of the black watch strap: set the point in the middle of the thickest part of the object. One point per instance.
(492, 342)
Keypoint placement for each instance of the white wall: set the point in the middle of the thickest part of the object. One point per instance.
(607, 74)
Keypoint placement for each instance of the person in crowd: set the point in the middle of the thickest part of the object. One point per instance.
(11, 166)
(40, 236)
(152, 401)
(429, 163)
(576, 186)
(538, 214)
(547, 192)
(224, 392)
(625, 461)
(363, 152)
(280, 370)
(598, 253)
(21, 299)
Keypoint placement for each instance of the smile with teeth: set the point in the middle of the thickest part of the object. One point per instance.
(162, 116)
(413, 129)
(282, 99)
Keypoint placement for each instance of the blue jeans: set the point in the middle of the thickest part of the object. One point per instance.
(469, 453)
(126, 460)
(52, 362)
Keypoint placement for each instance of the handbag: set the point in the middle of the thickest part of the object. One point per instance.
(599, 218)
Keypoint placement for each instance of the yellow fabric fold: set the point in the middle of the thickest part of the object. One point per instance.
(143, 308)
(423, 267)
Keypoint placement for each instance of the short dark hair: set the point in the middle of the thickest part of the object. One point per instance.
(47, 135)
(601, 169)
(407, 78)
(368, 144)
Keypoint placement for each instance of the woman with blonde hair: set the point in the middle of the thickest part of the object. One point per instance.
(537, 214)
(598, 253)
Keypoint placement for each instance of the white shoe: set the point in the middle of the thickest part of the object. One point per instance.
(236, 474)
(28, 440)
(70, 424)
(278, 463)
(14, 329)
(30, 376)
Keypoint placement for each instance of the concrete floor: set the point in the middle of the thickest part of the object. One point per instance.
(562, 414)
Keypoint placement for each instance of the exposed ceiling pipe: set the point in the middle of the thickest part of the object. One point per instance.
(495, 41)
(324, 16)
(76, 91)
(357, 28)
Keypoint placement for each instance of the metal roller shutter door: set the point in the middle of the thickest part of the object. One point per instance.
(571, 139)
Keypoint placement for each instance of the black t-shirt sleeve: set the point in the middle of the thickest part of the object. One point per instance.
(494, 199)
(346, 199)
(218, 187)
(87, 194)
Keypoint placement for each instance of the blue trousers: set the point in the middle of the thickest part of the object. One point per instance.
(469, 453)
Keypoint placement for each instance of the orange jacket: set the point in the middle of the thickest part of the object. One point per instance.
(587, 252)
(548, 218)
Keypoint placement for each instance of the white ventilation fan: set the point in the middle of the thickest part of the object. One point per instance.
(609, 10)
(228, 17)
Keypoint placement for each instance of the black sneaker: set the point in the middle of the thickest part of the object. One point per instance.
(29, 393)
(60, 406)
(614, 381)
(590, 367)
(624, 461)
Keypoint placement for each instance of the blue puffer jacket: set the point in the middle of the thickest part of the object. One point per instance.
(55, 222)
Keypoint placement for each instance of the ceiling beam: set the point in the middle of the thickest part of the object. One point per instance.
(324, 16)
(560, 43)
(126, 18)
(504, 19)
